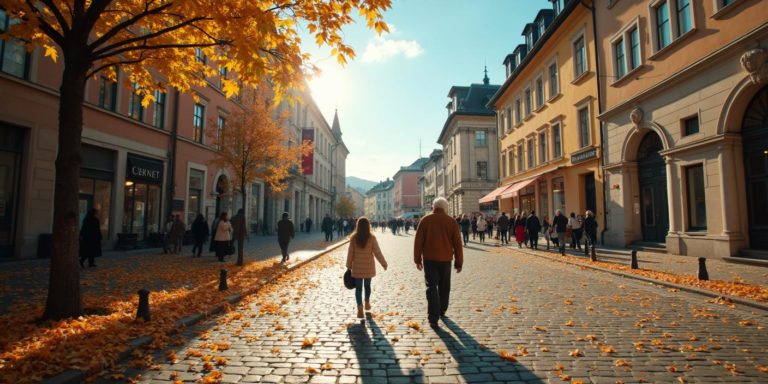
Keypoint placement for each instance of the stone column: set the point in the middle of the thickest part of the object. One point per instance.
(672, 199)
(727, 187)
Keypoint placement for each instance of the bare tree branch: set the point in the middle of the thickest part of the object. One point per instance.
(127, 23)
(93, 13)
(65, 28)
(118, 63)
(104, 52)
(148, 47)
(48, 29)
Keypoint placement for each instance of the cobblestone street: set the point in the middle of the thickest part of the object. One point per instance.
(513, 317)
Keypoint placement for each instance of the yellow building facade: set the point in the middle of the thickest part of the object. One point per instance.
(547, 109)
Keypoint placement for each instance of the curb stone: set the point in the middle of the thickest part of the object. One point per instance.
(75, 376)
(699, 291)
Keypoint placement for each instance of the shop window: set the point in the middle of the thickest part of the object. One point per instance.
(690, 125)
(558, 194)
(14, 58)
(543, 193)
(697, 207)
(195, 202)
(141, 211)
(158, 115)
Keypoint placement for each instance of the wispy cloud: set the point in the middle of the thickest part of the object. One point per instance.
(382, 48)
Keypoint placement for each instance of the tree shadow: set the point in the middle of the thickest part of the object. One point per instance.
(376, 356)
(474, 359)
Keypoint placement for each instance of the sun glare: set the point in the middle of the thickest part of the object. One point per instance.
(329, 86)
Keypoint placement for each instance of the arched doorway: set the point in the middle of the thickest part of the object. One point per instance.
(652, 179)
(222, 195)
(755, 144)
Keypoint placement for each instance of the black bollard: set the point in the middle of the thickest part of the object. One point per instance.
(594, 254)
(143, 310)
(223, 280)
(633, 264)
(703, 275)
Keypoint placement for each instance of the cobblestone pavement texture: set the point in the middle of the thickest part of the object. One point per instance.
(512, 318)
(28, 278)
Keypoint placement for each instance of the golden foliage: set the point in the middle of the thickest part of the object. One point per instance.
(508, 356)
(345, 207)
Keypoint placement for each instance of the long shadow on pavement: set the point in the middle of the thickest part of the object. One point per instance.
(376, 357)
(477, 364)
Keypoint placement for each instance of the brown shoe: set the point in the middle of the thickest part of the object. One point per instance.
(360, 313)
(367, 305)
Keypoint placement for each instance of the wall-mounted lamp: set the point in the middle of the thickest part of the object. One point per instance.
(128, 183)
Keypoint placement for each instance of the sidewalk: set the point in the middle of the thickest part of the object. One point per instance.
(28, 279)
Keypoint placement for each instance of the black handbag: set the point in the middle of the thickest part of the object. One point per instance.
(349, 281)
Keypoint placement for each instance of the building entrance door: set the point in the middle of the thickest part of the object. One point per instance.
(590, 192)
(652, 178)
(755, 144)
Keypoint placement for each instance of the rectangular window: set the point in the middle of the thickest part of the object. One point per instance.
(634, 48)
(663, 33)
(221, 123)
(684, 17)
(518, 111)
(107, 93)
(542, 27)
(527, 102)
(509, 119)
(557, 145)
(543, 147)
(222, 76)
(584, 127)
(543, 208)
(691, 125)
(694, 188)
(195, 200)
(198, 120)
(14, 58)
(480, 140)
(503, 164)
(511, 160)
(557, 6)
(158, 117)
(554, 82)
(619, 58)
(531, 154)
(482, 170)
(135, 110)
(539, 92)
(200, 56)
(579, 56)
(520, 157)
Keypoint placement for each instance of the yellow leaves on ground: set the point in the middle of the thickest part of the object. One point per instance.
(540, 328)
(508, 356)
(326, 367)
(414, 325)
(312, 371)
(607, 349)
(622, 363)
(308, 342)
(569, 323)
(576, 353)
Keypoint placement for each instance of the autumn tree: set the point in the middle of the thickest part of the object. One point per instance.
(152, 41)
(255, 146)
(345, 207)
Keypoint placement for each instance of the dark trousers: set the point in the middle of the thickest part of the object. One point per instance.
(198, 246)
(328, 235)
(482, 236)
(438, 278)
(504, 236)
(561, 242)
(533, 237)
(284, 249)
(465, 236)
(590, 238)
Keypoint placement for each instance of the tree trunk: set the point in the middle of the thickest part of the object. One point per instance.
(64, 298)
(240, 248)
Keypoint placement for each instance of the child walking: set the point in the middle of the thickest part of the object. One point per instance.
(363, 247)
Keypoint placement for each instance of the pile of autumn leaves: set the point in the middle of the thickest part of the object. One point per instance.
(179, 288)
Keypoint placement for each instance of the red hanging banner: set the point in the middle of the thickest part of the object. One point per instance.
(308, 160)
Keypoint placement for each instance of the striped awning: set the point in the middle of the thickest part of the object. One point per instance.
(494, 195)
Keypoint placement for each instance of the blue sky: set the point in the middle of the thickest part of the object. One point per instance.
(394, 92)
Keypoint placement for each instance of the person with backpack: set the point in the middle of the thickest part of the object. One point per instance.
(482, 226)
(363, 249)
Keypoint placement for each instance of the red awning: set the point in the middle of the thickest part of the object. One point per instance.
(515, 188)
(495, 194)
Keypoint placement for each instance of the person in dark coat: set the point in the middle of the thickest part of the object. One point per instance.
(285, 232)
(464, 223)
(200, 234)
(178, 228)
(560, 223)
(327, 227)
(90, 238)
(239, 231)
(503, 225)
(590, 229)
(533, 225)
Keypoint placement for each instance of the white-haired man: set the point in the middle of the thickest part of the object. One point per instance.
(437, 243)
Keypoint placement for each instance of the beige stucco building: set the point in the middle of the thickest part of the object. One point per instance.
(685, 123)
(469, 140)
(379, 201)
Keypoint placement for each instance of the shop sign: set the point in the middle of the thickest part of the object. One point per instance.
(143, 169)
(308, 159)
(584, 156)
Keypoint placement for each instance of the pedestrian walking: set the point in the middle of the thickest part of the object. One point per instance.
(489, 227)
(285, 232)
(223, 237)
(474, 227)
(363, 248)
(546, 229)
(90, 238)
(520, 229)
(533, 225)
(437, 243)
(578, 230)
(199, 234)
(560, 224)
(573, 225)
(214, 226)
(464, 224)
(308, 225)
(167, 238)
(239, 232)
(177, 234)
(503, 225)
(482, 226)
(590, 230)
(327, 227)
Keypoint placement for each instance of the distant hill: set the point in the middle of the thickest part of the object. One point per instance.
(361, 185)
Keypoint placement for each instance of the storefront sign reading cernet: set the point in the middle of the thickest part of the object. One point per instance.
(143, 169)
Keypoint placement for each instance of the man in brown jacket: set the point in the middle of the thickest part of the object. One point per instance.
(437, 243)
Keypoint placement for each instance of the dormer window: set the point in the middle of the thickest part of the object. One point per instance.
(529, 40)
(542, 27)
(557, 6)
(455, 104)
